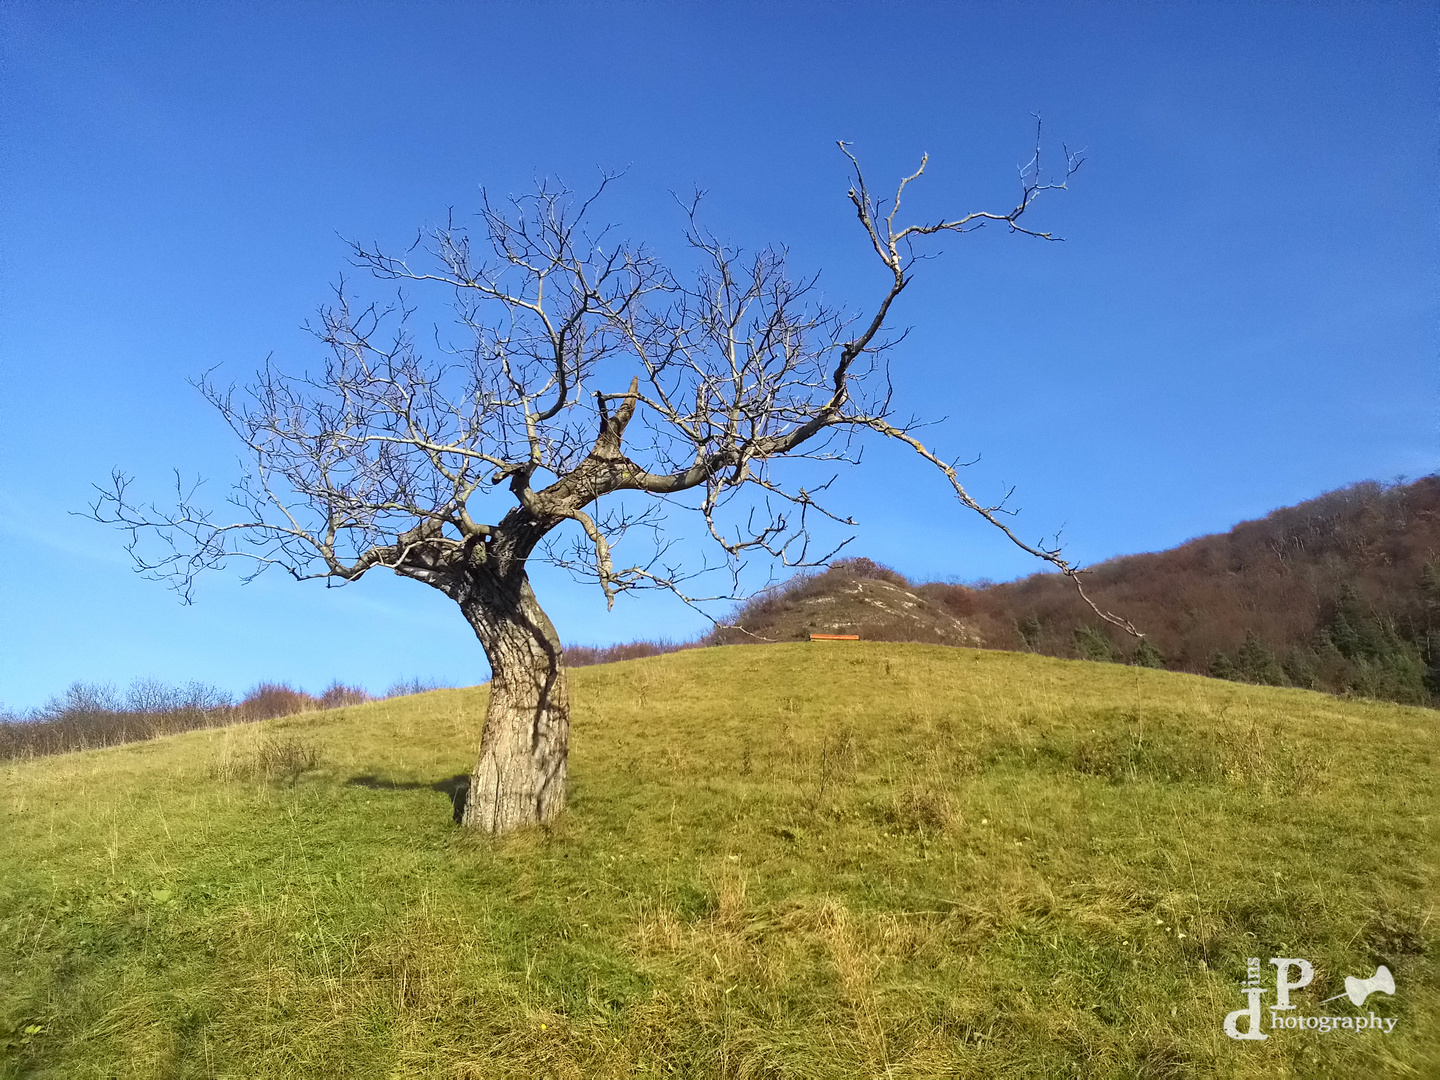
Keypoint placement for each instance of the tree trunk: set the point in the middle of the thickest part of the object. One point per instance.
(520, 778)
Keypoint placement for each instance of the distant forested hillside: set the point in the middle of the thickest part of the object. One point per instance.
(1341, 593)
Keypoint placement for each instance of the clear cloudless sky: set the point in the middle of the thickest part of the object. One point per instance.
(1243, 313)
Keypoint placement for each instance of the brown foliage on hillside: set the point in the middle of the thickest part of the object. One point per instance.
(1360, 555)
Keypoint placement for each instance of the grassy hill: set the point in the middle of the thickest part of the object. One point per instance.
(1340, 593)
(784, 861)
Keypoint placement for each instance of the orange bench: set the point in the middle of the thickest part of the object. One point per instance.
(834, 637)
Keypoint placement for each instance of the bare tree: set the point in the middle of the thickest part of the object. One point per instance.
(588, 385)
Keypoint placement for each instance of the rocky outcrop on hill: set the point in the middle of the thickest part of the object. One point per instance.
(855, 596)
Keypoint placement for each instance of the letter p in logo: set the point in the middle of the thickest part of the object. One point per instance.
(1284, 984)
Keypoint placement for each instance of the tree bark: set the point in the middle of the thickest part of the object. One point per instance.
(521, 776)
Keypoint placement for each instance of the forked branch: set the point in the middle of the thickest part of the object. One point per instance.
(467, 461)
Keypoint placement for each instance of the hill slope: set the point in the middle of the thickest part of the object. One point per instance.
(825, 860)
(1340, 593)
(855, 596)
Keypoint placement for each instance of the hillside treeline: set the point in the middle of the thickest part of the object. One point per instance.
(1341, 593)
(91, 715)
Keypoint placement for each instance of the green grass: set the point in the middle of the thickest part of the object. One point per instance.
(786, 861)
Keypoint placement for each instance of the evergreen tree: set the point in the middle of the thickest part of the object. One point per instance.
(1301, 669)
(1343, 634)
(1430, 585)
(1257, 664)
(1147, 654)
(1091, 644)
(1029, 630)
(1221, 666)
(1432, 662)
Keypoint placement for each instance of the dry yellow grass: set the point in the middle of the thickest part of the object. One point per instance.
(829, 860)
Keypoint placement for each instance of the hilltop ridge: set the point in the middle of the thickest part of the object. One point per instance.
(1339, 593)
(853, 596)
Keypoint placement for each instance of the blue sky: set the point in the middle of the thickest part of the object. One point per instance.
(1243, 314)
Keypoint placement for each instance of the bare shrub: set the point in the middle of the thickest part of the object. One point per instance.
(91, 715)
(337, 695)
(270, 700)
(586, 655)
(88, 716)
(406, 687)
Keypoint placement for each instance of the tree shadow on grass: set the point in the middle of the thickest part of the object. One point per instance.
(456, 787)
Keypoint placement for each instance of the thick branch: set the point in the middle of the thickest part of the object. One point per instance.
(384, 457)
